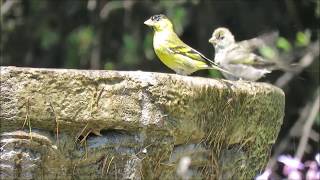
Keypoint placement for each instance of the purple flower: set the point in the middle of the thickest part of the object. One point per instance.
(295, 175)
(291, 164)
(265, 175)
(313, 172)
(317, 158)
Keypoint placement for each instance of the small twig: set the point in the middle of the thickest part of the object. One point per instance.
(1, 148)
(99, 96)
(286, 77)
(83, 129)
(27, 119)
(104, 164)
(141, 174)
(85, 137)
(305, 61)
(115, 170)
(85, 156)
(6, 6)
(92, 102)
(73, 170)
(245, 142)
(27, 113)
(293, 132)
(142, 149)
(114, 5)
(308, 126)
(86, 149)
(109, 165)
(56, 120)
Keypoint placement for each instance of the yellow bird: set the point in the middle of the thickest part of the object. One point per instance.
(174, 53)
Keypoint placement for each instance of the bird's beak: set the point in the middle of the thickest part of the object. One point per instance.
(212, 40)
(148, 22)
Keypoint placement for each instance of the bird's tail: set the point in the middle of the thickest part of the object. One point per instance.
(280, 65)
(286, 67)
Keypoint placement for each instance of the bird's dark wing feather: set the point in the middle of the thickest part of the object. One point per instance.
(191, 53)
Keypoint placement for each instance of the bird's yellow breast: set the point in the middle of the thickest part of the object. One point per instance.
(179, 63)
(167, 58)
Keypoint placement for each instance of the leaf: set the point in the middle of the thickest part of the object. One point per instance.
(214, 73)
(148, 47)
(79, 43)
(48, 38)
(267, 52)
(179, 19)
(130, 50)
(303, 38)
(85, 38)
(284, 44)
(109, 66)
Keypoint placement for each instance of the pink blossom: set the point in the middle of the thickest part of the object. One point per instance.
(313, 173)
(317, 158)
(291, 164)
(265, 175)
(295, 175)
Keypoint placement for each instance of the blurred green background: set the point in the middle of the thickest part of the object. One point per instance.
(110, 34)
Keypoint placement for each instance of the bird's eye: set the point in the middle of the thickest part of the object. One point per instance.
(156, 18)
(221, 37)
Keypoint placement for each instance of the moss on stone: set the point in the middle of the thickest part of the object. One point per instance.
(141, 123)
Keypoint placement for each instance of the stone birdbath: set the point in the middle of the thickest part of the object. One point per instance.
(94, 124)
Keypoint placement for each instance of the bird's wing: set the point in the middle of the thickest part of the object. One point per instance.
(191, 53)
(176, 46)
(266, 39)
(239, 55)
(195, 55)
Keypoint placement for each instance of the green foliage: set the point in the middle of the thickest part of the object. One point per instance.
(317, 121)
(129, 51)
(65, 34)
(179, 19)
(303, 38)
(9, 25)
(267, 52)
(317, 9)
(214, 73)
(79, 43)
(37, 6)
(284, 44)
(48, 38)
(177, 13)
(148, 46)
(109, 66)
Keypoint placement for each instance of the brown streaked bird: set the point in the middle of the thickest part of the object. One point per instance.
(238, 59)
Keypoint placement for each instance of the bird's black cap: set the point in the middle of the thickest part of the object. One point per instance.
(157, 17)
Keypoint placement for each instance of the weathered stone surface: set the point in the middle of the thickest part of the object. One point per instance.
(133, 125)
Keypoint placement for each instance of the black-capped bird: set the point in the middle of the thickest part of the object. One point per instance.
(173, 52)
